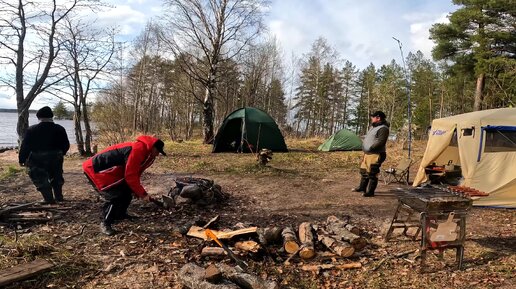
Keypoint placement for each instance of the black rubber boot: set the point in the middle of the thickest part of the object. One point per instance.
(48, 197)
(58, 194)
(373, 182)
(363, 185)
(363, 181)
(106, 229)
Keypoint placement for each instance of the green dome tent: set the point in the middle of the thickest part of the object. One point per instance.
(248, 130)
(343, 140)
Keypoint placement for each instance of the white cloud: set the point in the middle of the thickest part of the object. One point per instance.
(361, 31)
(129, 20)
(420, 33)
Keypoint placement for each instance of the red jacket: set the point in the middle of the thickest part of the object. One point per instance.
(124, 161)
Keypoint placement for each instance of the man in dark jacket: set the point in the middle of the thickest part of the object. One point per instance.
(115, 172)
(42, 151)
(374, 154)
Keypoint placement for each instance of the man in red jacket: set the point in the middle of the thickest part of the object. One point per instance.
(115, 172)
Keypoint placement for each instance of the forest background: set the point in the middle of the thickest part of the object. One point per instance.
(203, 59)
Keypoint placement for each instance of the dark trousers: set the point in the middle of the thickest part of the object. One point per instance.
(46, 173)
(117, 199)
(369, 174)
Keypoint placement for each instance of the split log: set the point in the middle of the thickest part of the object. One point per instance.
(192, 276)
(212, 251)
(337, 227)
(246, 280)
(306, 237)
(289, 240)
(268, 236)
(24, 271)
(247, 246)
(199, 232)
(315, 268)
(343, 249)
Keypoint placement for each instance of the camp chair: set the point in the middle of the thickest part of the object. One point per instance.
(397, 174)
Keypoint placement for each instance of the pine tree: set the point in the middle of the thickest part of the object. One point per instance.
(479, 32)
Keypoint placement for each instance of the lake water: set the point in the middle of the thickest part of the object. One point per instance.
(8, 120)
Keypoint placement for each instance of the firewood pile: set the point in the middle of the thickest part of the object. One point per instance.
(199, 191)
(308, 244)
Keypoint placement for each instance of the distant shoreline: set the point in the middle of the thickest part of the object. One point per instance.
(14, 110)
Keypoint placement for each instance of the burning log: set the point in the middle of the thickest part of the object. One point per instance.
(337, 228)
(289, 240)
(306, 237)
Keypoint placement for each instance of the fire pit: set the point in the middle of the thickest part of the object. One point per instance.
(442, 219)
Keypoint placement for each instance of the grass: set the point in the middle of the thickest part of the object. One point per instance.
(9, 172)
(194, 157)
(28, 247)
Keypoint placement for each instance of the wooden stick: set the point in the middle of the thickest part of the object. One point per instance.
(313, 268)
(75, 235)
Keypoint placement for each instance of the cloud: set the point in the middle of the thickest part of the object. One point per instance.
(361, 31)
(420, 34)
(126, 18)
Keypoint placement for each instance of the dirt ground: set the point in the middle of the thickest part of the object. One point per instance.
(302, 185)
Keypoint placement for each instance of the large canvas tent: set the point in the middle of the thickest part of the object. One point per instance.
(343, 140)
(483, 143)
(248, 130)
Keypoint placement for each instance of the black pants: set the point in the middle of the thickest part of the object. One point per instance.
(46, 173)
(117, 199)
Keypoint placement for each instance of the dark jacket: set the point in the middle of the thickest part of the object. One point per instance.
(124, 161)
(45, 136)
(376, 138)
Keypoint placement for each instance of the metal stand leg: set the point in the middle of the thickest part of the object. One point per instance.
(424, 244)
(394, 219)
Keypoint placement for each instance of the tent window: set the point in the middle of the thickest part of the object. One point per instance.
(453, 141)
(500, 141)
(468, 131)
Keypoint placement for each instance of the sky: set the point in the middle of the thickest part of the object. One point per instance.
(360, 30)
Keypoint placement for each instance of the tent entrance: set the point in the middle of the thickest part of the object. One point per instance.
(231, 140)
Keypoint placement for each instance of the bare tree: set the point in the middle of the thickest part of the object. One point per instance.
(29, 40)
(209, 31)
(88, 52)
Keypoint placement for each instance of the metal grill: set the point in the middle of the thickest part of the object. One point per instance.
(429, 210)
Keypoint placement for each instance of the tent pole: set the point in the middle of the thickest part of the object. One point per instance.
(409, 113)
(242, 129)
(258, 140)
